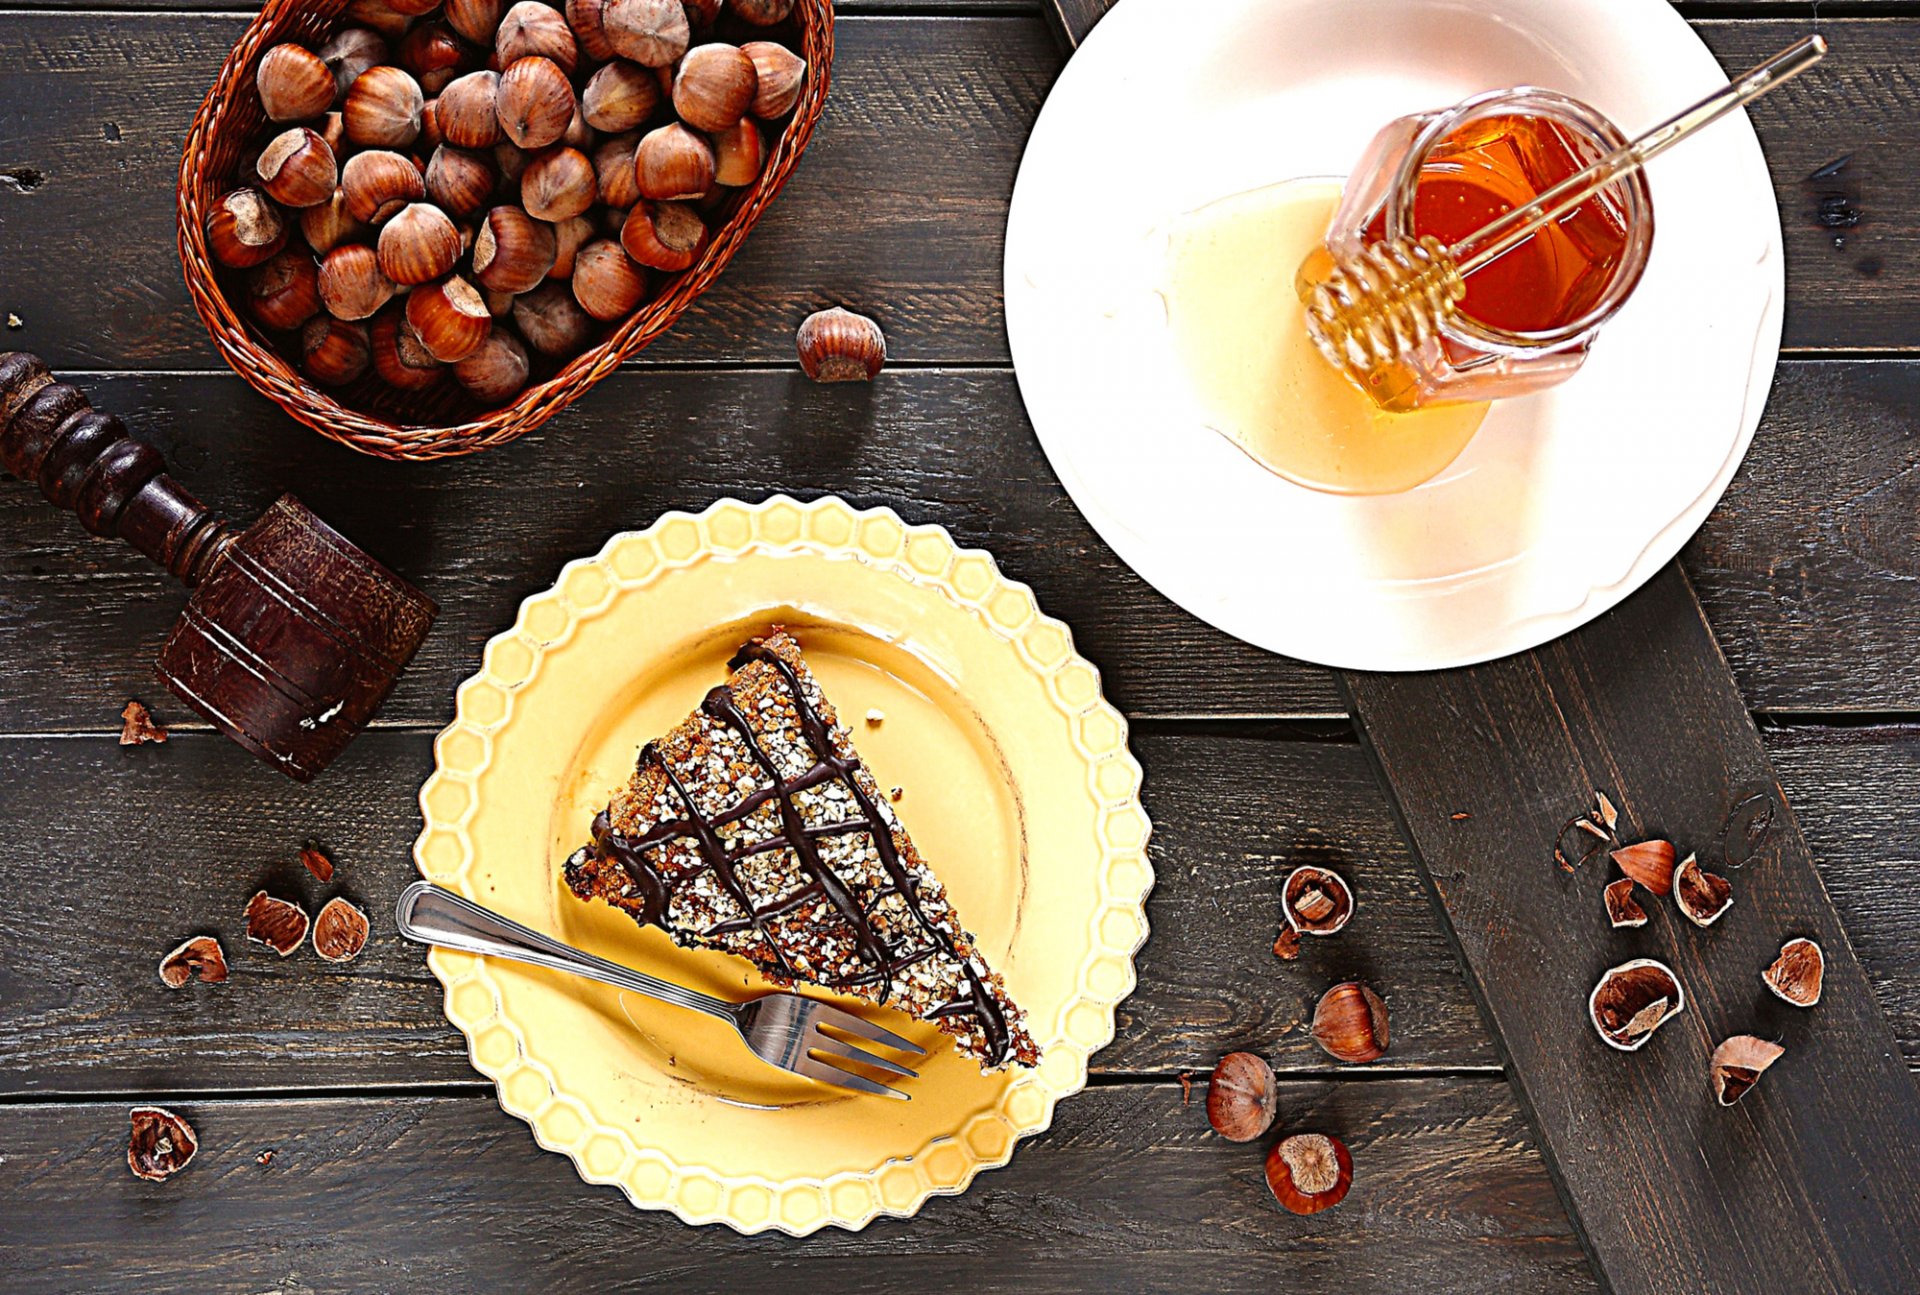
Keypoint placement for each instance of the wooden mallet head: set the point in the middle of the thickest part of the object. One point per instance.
(292, 638)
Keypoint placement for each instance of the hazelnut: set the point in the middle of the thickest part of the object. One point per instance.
(1633, 1000)
(673, 164)
(663, 235)
(417, 244)
(383, 107)
(467, 111)
(244, 229)
(557, 183)
(1737, 1065)
(512, 251)
(434, 55)
(614, 177)
(1350, 1024)
(297, 168)
(449, 317)
(284, 292)
(276, 923)
(653, 33)
(351, 282)
(714, 87)
(702, 13)
(340, 932)
(1309, 1172)
(584, 16)
(380, 16)
(1317, 901)
(200, 956)
(378, 184)
(551, 321)
(762, 13)
(780, 75)
(496, 371)
(499, 304)
(578, 134)
(333, 129)
(532, 28)
(460, 180)
(477, 20)
(159, 1144)
(512, 161)
(326, 225)
(535, 102)
(334, 351)
(399, 356)
(430, 136)
(294, 84)
(411, 8)
(1242, 1097)
(620, 97)
(1623, 910)
(606, 282)
(739, 154)
(569, 236)
(1650, 863)
(1704, 897)
(1796, 974)
(349, 52)
(839, 346)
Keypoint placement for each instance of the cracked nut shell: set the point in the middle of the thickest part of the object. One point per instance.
(1796, 974)
(277, 923)
(1738, 1064)
(199, 956)
(1704, 897)
(340, 932)
(1350, 1024)
(1633, 1000)
(159, 1144)
(1316, 901)
(1622, 908)
(1242, 1097)
(1650, 863)
(1309, 1172)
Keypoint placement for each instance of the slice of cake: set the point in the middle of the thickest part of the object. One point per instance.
(754, 828)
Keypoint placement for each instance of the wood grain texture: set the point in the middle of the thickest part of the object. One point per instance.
(1793, 1190)
(1128, 1192)
(898, 208)
(1235, 809)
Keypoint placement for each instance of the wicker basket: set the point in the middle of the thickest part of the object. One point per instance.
(367, 415)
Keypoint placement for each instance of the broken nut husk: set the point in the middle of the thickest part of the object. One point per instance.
(160, 1143)
(276, 923)
(1309, 1172)
(1633, 1000)
(137, 726)
(1650, 863)
(1622, 908)
(200, 956)
(1286, 945)
(1703, 896)
(1350, 1024)
(317, 862)
(340, 932)
(1796, 974)
(1317, 901)
(1738, 1064)
(1242, 1097)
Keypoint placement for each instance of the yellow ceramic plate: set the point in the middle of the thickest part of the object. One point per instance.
(1016, 783)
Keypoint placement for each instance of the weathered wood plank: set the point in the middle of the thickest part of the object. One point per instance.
(1806, 569)
(1128, 1191)
(116, 855)
(899, 206)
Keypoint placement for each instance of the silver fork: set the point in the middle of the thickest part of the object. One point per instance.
(782, 1029)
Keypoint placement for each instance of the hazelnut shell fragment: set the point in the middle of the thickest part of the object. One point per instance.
(1703, 896)
(1350, 1024)
(277, 923)
(1650, 863)
(839, 346)
(1633, 1000)
(340, 932)
(1796, 974)
(137, 726)
(1622, 908)
(1317, 901)
(200, 956)
(1242, 1097)
(1738, 1064)
(1309, 1172)
(316, 862)
(1286, 945)
(159, 1144)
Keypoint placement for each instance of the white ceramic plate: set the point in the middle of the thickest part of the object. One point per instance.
(1563, 504)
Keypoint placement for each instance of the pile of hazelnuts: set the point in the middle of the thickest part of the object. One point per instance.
(446, 187)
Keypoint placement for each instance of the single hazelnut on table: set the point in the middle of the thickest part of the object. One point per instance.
(1650, 863)
(762, 13)
(534, 101)
(340, 931)
(663, 235)
(349, 52)
(1704, 897)
(1242, 1097)
(779, 76)
(1309, 1172)
(399, 356)
(200, 956)
(714, 86)
(460, 180)
(467, 111)
(378, 183)
(1633, 1000)
(435, 56)
(244, 229)
(283, 292)
(477, 20)
(653, 33)
(1796, 974)
(620, 97)
(417, 244)
(739, 154)
(277, 923)
(839, 346)
(449, 317)
(159, 1144)
(1350, 1024)
(584, 16)
(531, 28)
(1622, 909)
(351, 282)
(614, 177)
(294, 84)
(569, 236)
(297, 168)
(1317, 901)
(512, 251)
(552, 321)
(606, 281)
(673, 164)
(496, 371)
(382, 109)
(1737, 1065)
(326, 225)
(558, 183)
(334, 351)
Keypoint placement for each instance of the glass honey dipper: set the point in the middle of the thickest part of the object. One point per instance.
(1373, 311)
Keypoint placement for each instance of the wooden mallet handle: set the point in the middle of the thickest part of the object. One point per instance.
(86, 461)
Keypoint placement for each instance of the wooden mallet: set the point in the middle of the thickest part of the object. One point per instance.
(292, 638)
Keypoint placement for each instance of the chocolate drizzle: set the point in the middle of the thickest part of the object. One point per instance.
(880, 964)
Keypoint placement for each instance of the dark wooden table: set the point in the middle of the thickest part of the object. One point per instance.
(392, 1167)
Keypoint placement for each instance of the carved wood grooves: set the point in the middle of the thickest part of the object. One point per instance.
(86, 461)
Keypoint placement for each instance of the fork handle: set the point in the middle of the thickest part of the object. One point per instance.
(430, 914)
